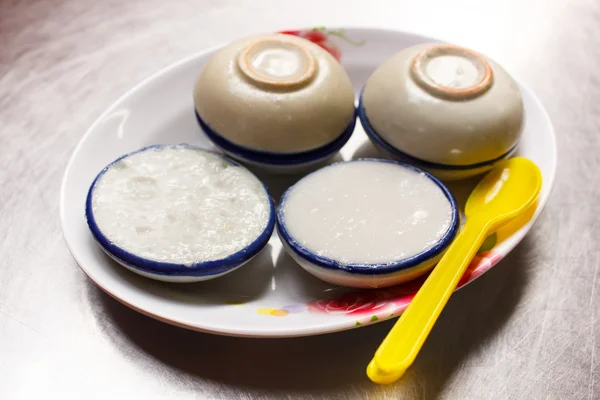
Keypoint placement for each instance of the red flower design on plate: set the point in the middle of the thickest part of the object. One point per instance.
(482, 263)
(321, 37)
(382, 302)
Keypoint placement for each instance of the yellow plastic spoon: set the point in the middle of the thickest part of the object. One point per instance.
(507, 191)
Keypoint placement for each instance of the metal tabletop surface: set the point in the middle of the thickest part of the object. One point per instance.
(528, 329)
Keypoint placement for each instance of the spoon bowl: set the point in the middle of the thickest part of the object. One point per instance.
(505, 192)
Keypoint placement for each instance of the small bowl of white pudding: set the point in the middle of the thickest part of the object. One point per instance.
(367, 223)
(177, 213)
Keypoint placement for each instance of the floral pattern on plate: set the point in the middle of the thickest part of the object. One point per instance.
(322, 37)
(374, 305)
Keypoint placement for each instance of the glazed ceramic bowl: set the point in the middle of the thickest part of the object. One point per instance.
(335, 222)
(276, 101)
(163, 269)
(444, 108)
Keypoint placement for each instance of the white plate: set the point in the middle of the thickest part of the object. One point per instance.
(271, 296)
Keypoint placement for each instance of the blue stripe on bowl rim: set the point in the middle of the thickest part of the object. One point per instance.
(374, 136)
(198, 269)
(278, 159)
(377, 268)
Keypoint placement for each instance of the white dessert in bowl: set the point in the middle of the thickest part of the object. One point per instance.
(179, 214)
(367, 223)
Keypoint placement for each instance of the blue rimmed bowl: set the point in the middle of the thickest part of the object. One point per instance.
(279, 102)
(368, 275)
(443, 108)
(175, 272)
(446, 172)
(279, 162)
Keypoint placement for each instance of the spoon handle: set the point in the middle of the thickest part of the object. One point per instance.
(399, 349)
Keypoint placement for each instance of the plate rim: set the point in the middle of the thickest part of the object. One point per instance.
(343, 324)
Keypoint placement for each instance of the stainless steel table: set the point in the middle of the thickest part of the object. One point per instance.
(526, 330)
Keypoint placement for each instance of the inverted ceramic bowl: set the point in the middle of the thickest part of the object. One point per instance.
(368, 275)
(275, 101)
(446, 109)
(171, 272)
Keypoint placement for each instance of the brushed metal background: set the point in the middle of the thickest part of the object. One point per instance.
(526, 330)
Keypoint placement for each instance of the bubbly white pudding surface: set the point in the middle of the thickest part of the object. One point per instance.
(367, 212)
(179, 205)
